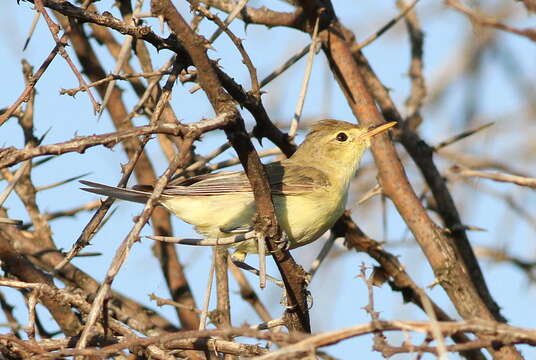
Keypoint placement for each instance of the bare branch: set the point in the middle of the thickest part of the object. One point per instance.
(500, 177)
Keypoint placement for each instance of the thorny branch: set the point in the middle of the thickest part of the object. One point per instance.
(11, 156)
(267, 223)
(104, 323)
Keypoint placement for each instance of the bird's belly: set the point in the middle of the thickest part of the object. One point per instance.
(305, 218)
(212, 214)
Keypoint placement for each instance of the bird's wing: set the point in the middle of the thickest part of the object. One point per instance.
(294, 179)
(290, 179)
(210, 184)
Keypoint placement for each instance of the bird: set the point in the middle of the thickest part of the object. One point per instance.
(309, 189)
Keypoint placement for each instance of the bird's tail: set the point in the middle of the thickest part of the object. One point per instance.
(116, 192)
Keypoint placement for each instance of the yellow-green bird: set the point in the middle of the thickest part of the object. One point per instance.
(309, 189)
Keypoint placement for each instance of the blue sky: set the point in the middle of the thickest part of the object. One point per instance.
(338, 294)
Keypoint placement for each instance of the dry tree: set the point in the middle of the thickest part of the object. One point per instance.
(157, 81)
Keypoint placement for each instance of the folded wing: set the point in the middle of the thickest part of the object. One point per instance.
(290, 179)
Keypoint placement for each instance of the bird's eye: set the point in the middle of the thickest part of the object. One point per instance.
(342, 137)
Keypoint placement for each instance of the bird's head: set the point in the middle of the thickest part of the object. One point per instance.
(339, 143)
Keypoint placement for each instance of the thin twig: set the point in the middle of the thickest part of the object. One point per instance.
(25, 95)
(435, 329)
(7, 308)
(124, 249)
(31, 31)
(255, 88)
(497, 176)
(123, 56)
(115, 76)
(208, 291)
(461, 136)
(11, 156)
(161, 301)
(66, 213)
(295, 58)
(287, 64)
(98, 218)
(232, 15)
(415, 100)
(305, 82)
(326, 248)
(248, 294)
(482, 20)
(54, 29)
(9, 221)
(231, 240)
(269, 324)
(32, 302)
(16, 177)
(59, 183)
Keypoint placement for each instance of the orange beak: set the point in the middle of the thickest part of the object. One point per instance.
(379, 129)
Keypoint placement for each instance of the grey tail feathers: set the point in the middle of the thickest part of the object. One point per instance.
(116, 192)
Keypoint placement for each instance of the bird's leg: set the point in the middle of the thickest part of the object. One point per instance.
(284, 302)
(309, 298)
(283, 243)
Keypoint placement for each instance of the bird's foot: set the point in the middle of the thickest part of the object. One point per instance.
(283, 243)
(288, 307)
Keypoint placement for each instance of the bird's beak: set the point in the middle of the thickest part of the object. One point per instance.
(373, 131)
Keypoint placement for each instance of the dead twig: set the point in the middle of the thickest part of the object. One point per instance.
(483, 20)
(496, 176)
